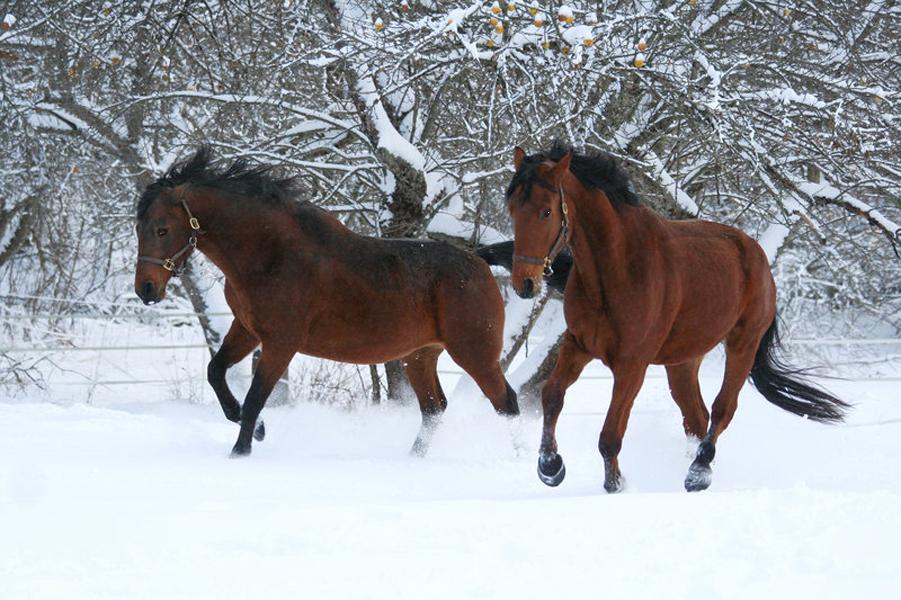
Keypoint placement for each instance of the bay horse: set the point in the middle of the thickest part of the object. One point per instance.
(297, 280)
(647, 290)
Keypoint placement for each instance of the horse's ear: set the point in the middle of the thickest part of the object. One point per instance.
(561, 167)
(518, 156)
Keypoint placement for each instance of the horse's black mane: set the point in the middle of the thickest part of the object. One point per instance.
(240, 178)
(593, 169)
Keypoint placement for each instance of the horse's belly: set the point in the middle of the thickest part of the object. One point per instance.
(679, 350)
(368, 340)
(691, 337)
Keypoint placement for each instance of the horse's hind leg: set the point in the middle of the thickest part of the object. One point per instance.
(739, 360)
(238, 343)
(421, 368)
(570, 361)
(486, 371)
(683, 385)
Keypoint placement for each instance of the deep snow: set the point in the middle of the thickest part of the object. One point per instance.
(129, 499)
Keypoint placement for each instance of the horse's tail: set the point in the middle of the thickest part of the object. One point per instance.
(501, 255)
(788, 389)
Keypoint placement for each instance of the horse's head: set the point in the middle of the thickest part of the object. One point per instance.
(540, 218)
(167, 233)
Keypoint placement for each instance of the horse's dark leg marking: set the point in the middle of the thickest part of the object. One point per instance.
(421, 368)
(627, 380)
(570, 362)
(494, 385)
(273, 362)
(512, 401)
(683, 384)
(739, 360)
(238, 343)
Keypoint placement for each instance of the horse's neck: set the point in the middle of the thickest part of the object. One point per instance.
(599, 245)
(243, 239)
(233, 235)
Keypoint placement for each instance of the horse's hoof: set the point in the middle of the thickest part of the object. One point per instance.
(419, 449)
(614, 486)
(259, 434)
(240, 451)
(698, 478)
(551, 471)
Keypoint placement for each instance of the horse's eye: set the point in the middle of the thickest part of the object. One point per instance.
(161, 231)
(546, 214)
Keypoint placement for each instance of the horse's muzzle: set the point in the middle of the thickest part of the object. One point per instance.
(528, 288)
(148, 293)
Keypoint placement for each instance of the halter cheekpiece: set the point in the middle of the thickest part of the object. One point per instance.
(556, 248)
(169, 263)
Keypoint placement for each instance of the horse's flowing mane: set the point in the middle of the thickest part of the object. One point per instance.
(594, 169)
(256, 182)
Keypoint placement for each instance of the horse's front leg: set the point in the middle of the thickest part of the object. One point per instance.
(273, 362)
(238, 343)
(570, 362)
(627, 380)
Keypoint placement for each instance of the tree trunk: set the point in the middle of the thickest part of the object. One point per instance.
(530, 391)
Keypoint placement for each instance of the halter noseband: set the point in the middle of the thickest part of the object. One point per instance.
(556, 248)
(169, 263)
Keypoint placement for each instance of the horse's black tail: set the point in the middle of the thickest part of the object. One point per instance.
(501, 255)
(788, 389)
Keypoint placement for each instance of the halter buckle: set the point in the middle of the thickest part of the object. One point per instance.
(168, 264)
(195, 224)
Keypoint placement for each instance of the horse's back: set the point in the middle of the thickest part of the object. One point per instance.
(719, 255)
(463, 295)
(373, 300)
(720, 276)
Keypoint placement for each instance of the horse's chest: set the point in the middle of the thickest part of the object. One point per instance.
(589, 324)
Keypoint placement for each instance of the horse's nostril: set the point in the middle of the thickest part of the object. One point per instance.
(528, 288)
(147, 292)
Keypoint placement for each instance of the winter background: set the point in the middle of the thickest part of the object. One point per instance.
(400, 116)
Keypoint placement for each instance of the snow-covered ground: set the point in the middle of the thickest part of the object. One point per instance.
(129, 498)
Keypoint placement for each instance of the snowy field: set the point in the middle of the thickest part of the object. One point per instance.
(129, 498)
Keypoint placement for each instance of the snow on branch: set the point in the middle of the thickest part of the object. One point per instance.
(387, 136)
(315, 115)
(823, 192)
(670, 185)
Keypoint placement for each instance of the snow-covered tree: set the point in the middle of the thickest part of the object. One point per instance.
(401, 116)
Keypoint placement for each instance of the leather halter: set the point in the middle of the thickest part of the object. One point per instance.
(169, 263)
(558, 245)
